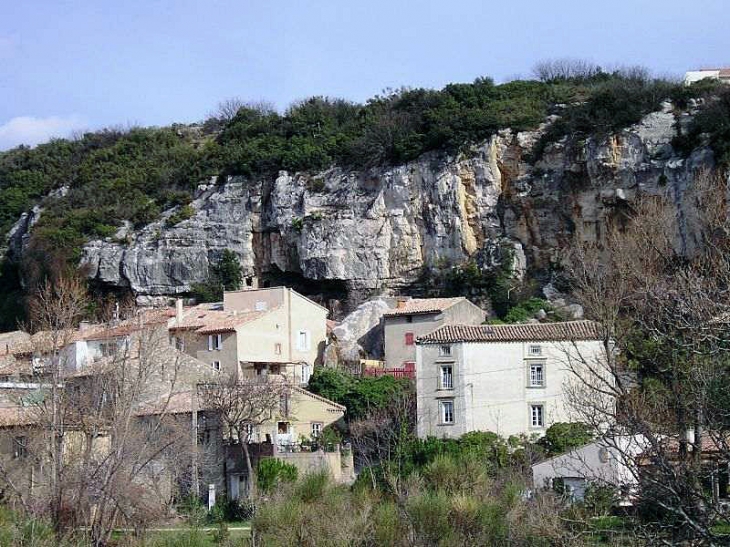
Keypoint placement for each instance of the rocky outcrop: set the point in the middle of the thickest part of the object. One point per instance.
(375, 231)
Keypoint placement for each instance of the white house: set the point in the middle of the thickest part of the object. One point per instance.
(722, 74)
(609, 462)
(508, 379)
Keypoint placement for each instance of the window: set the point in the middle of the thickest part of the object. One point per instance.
(445, 351)
(277, 349)
(535, 350)
(215, 341)
(447, 377)
(537, 375)
(21, 447)
(216, 365)
(316, 429)
(537, 418)
(409, 339)
(303, 340)
(447, 412)
(179, 344)
(306, 373)
(409, 319)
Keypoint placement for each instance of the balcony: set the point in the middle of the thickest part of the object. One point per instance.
(394, 372)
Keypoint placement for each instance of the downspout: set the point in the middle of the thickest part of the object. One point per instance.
(194, 440)
(288, 319)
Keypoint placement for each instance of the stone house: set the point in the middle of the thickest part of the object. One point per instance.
(255, 332)
(415, 317)
(508, 379)
(288, 436)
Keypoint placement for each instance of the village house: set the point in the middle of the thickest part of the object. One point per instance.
(720, 74)
(605, 462)
(508, 379)
(255, 332)
(291, 435)
(414, 317)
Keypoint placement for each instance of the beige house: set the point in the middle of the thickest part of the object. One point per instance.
(415, 317)
(289, 435)
(508, 379)
(254, 333)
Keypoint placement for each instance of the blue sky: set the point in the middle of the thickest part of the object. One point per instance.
(71, 65)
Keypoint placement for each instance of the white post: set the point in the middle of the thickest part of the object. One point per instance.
(211, 496)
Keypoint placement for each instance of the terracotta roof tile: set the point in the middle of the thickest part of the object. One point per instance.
(415, 306)
(204, 320)
(538, 332)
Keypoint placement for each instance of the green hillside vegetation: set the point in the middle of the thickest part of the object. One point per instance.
(115, 175)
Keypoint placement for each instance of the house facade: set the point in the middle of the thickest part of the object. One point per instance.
(721, 74)
(289, 435)
(507, 379)
(610, 462)
(255, 332)
(415, 317)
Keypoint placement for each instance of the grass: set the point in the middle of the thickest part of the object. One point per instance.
(186, 537)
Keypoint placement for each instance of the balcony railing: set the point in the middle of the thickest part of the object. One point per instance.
(395, 372)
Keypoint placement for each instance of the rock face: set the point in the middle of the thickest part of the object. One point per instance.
(363, 233)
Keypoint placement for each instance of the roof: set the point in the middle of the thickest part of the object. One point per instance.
(204, 320)
(416, 306)
(17, 416)
(9, 340)
(144, 319)
(182, 403)
(524, 332)
(10, 366)
(176, 403)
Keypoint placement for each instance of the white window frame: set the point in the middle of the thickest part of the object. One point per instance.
(534, 350)
(216, 365)
(446, 380)
(215, 342)
(446, 412)
(306, 373)
(532, 367)
(537, 416)
(445, 350)
(277, 348)
(317, 428)
(303, 336)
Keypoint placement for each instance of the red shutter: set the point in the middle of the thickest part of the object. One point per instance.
(409, 339)
(409, 366)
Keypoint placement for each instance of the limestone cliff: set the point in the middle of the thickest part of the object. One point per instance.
(360, 233)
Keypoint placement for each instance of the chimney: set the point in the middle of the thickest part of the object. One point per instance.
(400, 301)
(179, 310)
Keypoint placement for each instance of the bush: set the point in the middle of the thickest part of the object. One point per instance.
(563, 437)
(270, 472)
(360, 394)
(184, 213)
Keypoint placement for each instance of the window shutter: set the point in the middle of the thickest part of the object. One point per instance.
(409, 339)
(210, 342)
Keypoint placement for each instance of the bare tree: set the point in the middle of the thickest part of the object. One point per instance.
(243, 406)
(100, 460)
(383, 435)
(658, 284)
(565, 69)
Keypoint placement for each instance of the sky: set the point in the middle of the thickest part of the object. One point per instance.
(69, 66)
